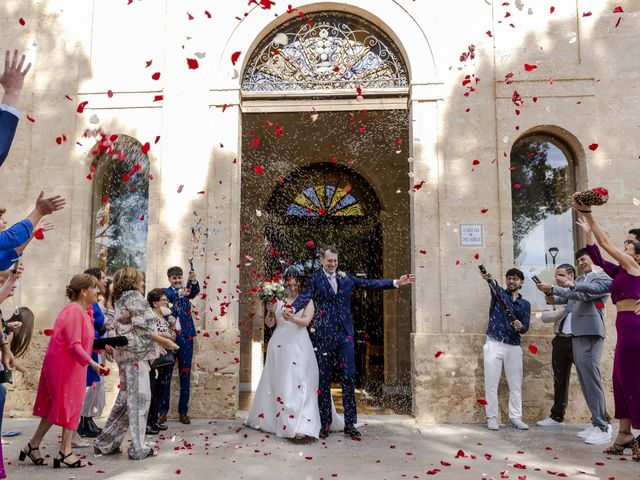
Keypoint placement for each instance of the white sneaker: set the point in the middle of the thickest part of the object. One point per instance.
(548, 422)
(492, 424)
(598, 437)
(519, 424)
(586, 432)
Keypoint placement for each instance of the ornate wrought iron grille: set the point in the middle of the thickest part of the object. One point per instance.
(325, 51)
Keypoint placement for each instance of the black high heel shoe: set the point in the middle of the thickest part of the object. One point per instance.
(62, 459)
(36, 461)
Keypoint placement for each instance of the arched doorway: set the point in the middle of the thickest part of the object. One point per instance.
(329, 204)
(325, 107)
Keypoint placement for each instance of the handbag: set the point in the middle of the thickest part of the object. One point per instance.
(165, 359)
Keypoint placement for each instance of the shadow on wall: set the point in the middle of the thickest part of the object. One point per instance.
(565, 86)
(36, 162)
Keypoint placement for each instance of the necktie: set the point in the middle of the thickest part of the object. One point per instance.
(333, 282)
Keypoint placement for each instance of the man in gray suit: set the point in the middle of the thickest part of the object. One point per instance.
(583, 319)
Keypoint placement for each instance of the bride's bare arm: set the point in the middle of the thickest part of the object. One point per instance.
(307, 315)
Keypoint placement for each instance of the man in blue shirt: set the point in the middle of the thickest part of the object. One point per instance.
(12, 81)
(180, 301)
(503, 347)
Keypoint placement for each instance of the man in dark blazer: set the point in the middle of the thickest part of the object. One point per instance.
(332, 332)
(12, 81)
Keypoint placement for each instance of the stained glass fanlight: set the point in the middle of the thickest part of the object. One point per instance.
(325, 51)
(318, 200)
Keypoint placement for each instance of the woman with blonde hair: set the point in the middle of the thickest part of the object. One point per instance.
(135, 320)
(64, 372)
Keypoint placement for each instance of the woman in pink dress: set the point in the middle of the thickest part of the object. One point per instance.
(64, 372)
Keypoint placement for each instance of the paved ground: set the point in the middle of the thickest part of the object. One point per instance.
(393, 447)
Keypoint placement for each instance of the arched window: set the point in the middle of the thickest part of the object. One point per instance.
(543, 180)
(120, 204)
(325, 51)
(325, 199)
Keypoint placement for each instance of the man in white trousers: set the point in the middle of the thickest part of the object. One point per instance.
(509, 317)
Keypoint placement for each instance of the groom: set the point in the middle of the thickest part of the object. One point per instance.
(332, 332)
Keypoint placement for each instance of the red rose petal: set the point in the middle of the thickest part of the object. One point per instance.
(81, 106)
(156, 76)
(587, 14)
(235, 56)
(528, 67)
(438, 354)
(21, 21)
(48, 332)
(481, 401)
(484, 210)
(39, 234)
(31, 119)
(192, 63)
(476, 162)
(618, 9)
(593, 147)
(533, 349)
(258, 169)
(310, 243)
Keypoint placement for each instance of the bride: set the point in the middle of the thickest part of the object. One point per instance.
(286, 400)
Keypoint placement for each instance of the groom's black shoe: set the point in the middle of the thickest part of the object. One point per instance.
(324, 433)
(351, 431)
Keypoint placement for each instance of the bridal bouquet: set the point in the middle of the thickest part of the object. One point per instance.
(271, 291)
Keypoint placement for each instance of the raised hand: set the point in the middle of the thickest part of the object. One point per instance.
(406, 279)
(544, 287)
(565, 282)
(584, 225)
(46, 206)
(13, 77)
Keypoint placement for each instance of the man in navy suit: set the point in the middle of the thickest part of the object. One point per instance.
(332, 332)
(12, 81)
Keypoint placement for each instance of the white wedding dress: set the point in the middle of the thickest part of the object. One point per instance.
(286, 400)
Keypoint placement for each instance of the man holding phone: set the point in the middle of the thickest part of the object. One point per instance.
(579, 340)
(509, 317)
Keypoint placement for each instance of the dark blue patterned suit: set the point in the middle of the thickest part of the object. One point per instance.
(8, 125)
(332, 335)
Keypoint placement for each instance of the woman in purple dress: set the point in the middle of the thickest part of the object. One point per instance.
(625, 292)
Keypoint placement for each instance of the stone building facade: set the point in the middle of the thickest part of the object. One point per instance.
(429, 117)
